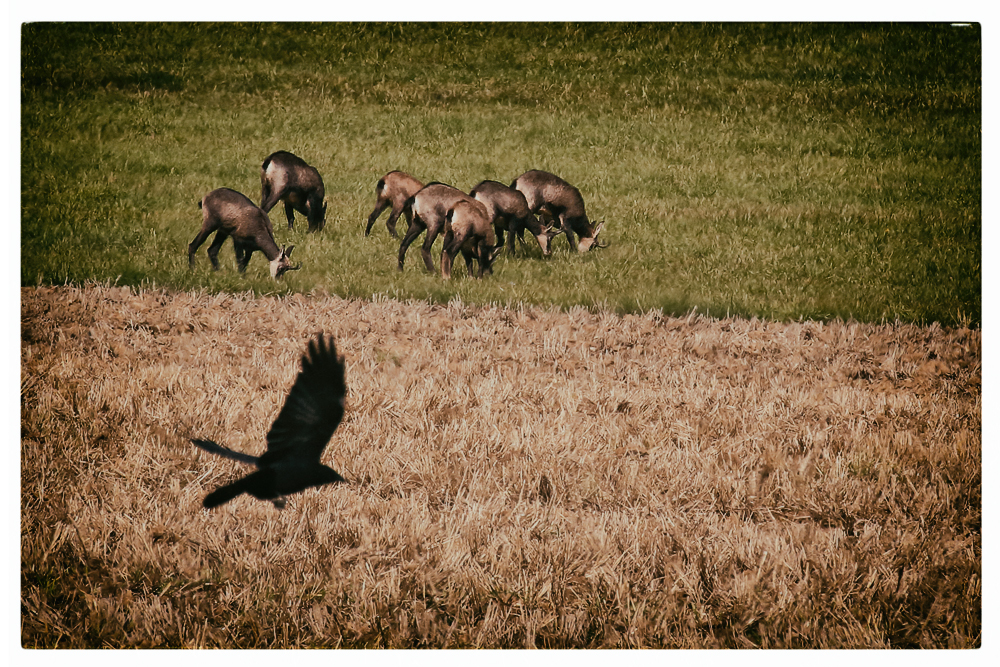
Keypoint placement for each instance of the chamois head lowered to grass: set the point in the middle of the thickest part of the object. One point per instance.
(229, 213)
(508, 212)
(312, 411)
(393, 189)
(556, 199)
(286, 177)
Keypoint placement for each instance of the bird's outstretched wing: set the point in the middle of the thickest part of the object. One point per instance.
(314, 407)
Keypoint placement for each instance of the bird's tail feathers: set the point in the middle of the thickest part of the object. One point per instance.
(226, 493)
(216, 448)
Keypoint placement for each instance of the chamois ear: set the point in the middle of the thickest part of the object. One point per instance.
(287, 253)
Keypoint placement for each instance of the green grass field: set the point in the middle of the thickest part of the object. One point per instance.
(778, 171)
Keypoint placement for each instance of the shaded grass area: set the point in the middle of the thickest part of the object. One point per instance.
(518, 478)
(781, 171)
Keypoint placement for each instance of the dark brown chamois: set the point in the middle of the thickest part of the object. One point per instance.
(508, 212)
(229, 213)
(555, 198)
(467, 229)
(393, 190)
(426, 211)
(287, 178)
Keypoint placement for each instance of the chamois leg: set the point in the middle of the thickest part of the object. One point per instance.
(412, 233)
(265, 190)
(268, 198)
(568, 231)
(499, 232)
(198, 240)
(425, 249)
(448, 250)
(380, 206)
(309, 210)
(213, 250)
(390, 224)
(243, 253)
(468, 255)
(290, 214)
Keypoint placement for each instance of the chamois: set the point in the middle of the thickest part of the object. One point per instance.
(393, 190)
(286, 177)
(508, 211)
(467, 229)
(426, 210)
(229, 213)
(555, 198)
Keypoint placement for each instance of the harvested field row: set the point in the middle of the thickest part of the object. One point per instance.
(520, 477)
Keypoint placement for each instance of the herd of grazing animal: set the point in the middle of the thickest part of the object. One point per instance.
(478, 224)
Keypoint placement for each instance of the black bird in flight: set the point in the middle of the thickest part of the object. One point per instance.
(311, 413)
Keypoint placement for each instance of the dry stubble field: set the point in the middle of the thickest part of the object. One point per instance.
(518, 478)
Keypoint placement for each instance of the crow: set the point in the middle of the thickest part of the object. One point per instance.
(312, 411)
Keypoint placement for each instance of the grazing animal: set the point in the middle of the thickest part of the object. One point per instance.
(467, 229)
(312, 411)
(508, 211)
(393, 190)
(287, 178)
(229, 213)
(555, 198)
(426, 210)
